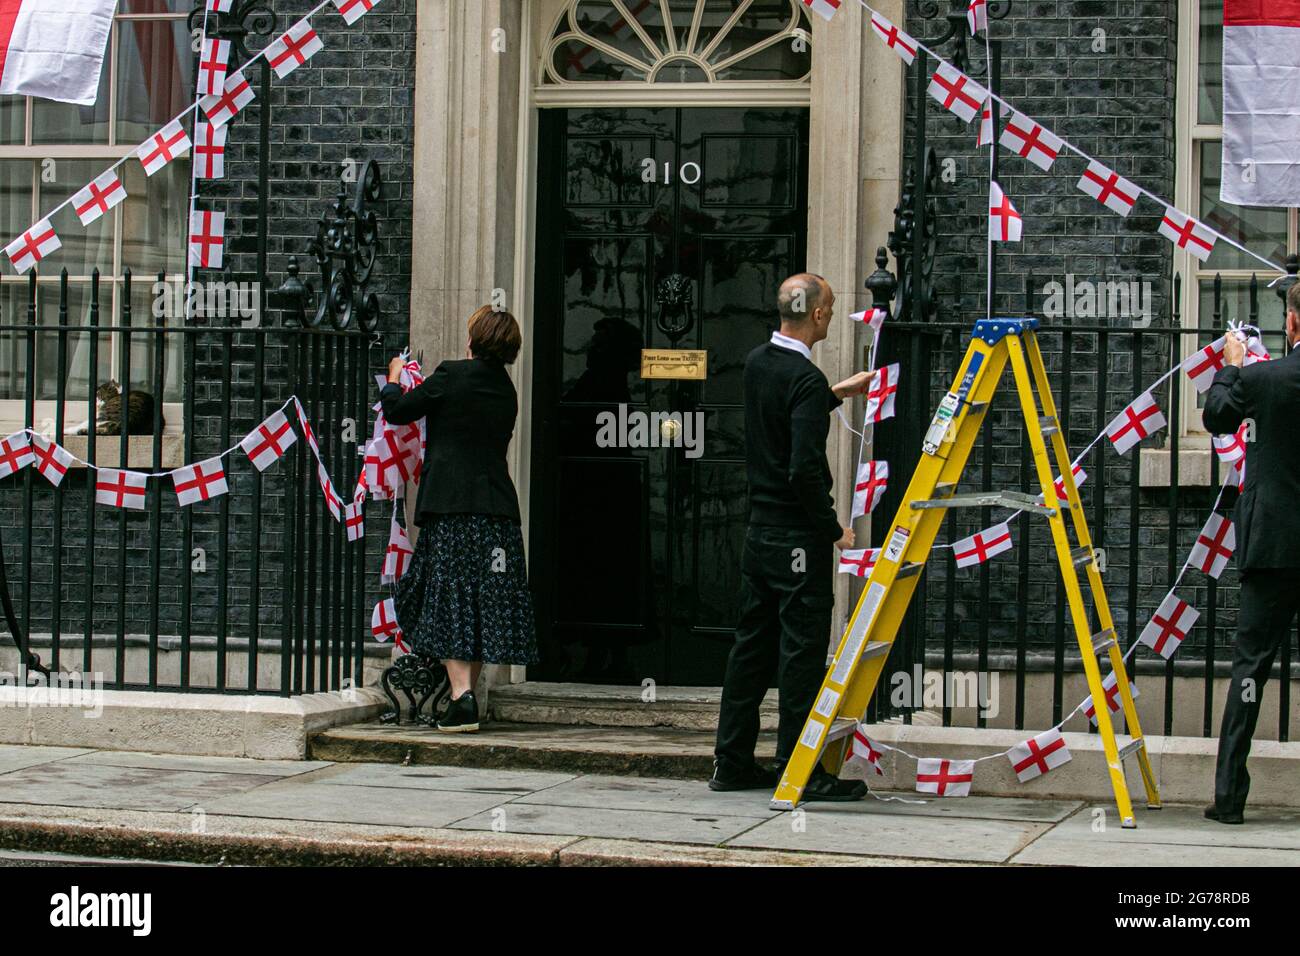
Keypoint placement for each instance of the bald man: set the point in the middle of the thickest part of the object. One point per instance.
(787, 568)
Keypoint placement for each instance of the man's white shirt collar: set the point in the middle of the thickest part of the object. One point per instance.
(794, 345)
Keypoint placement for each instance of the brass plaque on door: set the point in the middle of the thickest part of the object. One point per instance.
(690, 364)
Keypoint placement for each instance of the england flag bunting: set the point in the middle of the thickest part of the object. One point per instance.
(944, 778)
(1255, 351)
(294, 47)
(1186, 233)
(1080, 476)
(1140, 420)
(985, 137)
(392, 459)
(207, 238)
(1214, 546)
(1110, 689)
(1201, 366)
(15, 454)
(826, 9)
(383, 621)
(354, 10)
(872, 317)
(33, 246)
(873, 478)
(1109, 188)
(397, 555)
(858, 562)
(99, 197)
(162, 147)
(222, 107)
(201, 482)
(977, 16)
(268, 442)
(332, 501)
(120, 489)
(1031, 141)
(220, 6)
(306, 429)
(983, 545)
(52, 460)
(956, 92)
(1038, 755)
(210, 151)
(865, 749)
(880, 394)
(1237, 475)
(1005, 224)
(1169, 626)
(354, 519)
(214, 64)
(1231, 448)
(894, 38)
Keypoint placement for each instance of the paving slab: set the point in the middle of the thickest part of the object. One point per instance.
(243, 765)
(64, 783)
(641, 794)
(911, 803)
(20, 756)
(601, 852)
(652, 825)
(507, 783)
(391, 806)
(865, 829)
(1266, 828)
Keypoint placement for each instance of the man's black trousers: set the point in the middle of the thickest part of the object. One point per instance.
(787, 578)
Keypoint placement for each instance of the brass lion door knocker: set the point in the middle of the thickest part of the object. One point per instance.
(676, 300)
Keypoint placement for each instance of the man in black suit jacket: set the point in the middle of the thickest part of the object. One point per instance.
(1268, 529)
(787, 568)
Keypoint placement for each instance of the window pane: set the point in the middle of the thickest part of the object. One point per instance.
(12, 120)
(143, 296)
(15, 199)
(1210, 85)
(153, 227)
(1262, 230)
(155, 64)
(84, 247)
(156, 6)
(70, 124)
(77, 348)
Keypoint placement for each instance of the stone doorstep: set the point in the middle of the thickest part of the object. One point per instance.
(600, 705)
(231, 725)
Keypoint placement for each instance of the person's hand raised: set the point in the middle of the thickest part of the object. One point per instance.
(855, 384)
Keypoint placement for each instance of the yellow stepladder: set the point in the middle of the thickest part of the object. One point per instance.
(860, 657)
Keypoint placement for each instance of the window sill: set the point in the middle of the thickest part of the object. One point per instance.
(1193, 467)
(108, 451)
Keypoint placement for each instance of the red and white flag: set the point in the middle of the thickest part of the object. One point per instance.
(1261, 103)
(1214, 546)
(977, 16)
(1110, 690)
(1237, 475)
(1037, 755)
(162, 147)
(200, 482)
(207, 238)
(865, 749)
(222, 107)
(1186, 233)
(214, 64)
(354, 519)
(1231, 448)
(306, 429)
(392, 459)
(354, 10)
(1169, 626)
(52, 460)
(1080, 476)
(985, 137)
(957, 92)
(383, 621)
(332, 500)
(872, 317)
(858, 562)
(1109, 188)
(397, 555)
(15, 454)
(894, 38)
(267, 443)
(120, 489)
(220, 6)
(880, 394)
(1140, 420)
(99, 197)
(983, 545)
(54, 49)
(944, 778)
(32, 246)
(1005, 224)
(1201, 366)
(826, 9)
(1031, 140)
(873, 477)
(210, 151)
(293, 48)
(1255, 351)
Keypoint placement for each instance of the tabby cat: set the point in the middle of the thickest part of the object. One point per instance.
(108, 412)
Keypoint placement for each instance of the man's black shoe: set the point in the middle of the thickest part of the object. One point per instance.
(1212, 812)
(757, 777)
(461, 716)
(827, 788)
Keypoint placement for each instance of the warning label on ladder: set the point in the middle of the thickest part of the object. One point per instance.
(897, 544)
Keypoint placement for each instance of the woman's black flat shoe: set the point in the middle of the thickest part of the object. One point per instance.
(461, 716)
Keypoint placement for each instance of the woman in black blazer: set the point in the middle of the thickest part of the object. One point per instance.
(464, 598)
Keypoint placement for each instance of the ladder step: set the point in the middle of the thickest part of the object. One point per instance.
(1049, 425)
(945, 489)
(1081, 557)
(1130, 748)
(911, 569)
(873, 649)
(1015, 500)
(1104, 640)
(841, 727)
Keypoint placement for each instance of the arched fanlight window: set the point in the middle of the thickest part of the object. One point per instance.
(679, 41)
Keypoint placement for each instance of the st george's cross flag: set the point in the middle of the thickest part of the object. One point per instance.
(220, 6)
(162, 147)
(1214, 546)
(977, 16)
(894, 38)
(293, 48)
(54, 49)
(32, 246)
(397, 555)
(865, 749)
(220, 108)
(1005, 224)
(207, 238)
(1236, 475)
(873, 478)
(383, 621)
(880, 394)
(118, 488)
(354, 519)
(985, 137)
(872, 317)
(1202, 365)
(202, 481)
(1030, 140)
(1109, 188)
(1169, 626)
(105, 192)
(51, 459)
(1186, 233)
(944, 778)
(333, 503)
(354, 10)
(1080, 476)
(1261, 102)
(15, 454)
(1255, 351)
(1140, 420)
(1110, 690)
(859, 562)
(983, 545)
(1037, 755)
(214, 64)
(1231, 448)
(210, 151)
(957, 92)
(826, 9)
(268, 442)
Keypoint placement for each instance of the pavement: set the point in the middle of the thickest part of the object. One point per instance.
(229, 810)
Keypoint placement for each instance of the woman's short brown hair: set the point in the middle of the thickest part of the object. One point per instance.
(494, 334)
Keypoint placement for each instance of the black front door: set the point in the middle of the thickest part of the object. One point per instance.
(657, 229)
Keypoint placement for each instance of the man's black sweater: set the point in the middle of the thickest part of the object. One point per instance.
(787, 418)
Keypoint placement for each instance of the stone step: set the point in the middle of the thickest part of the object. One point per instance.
(599, 705)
